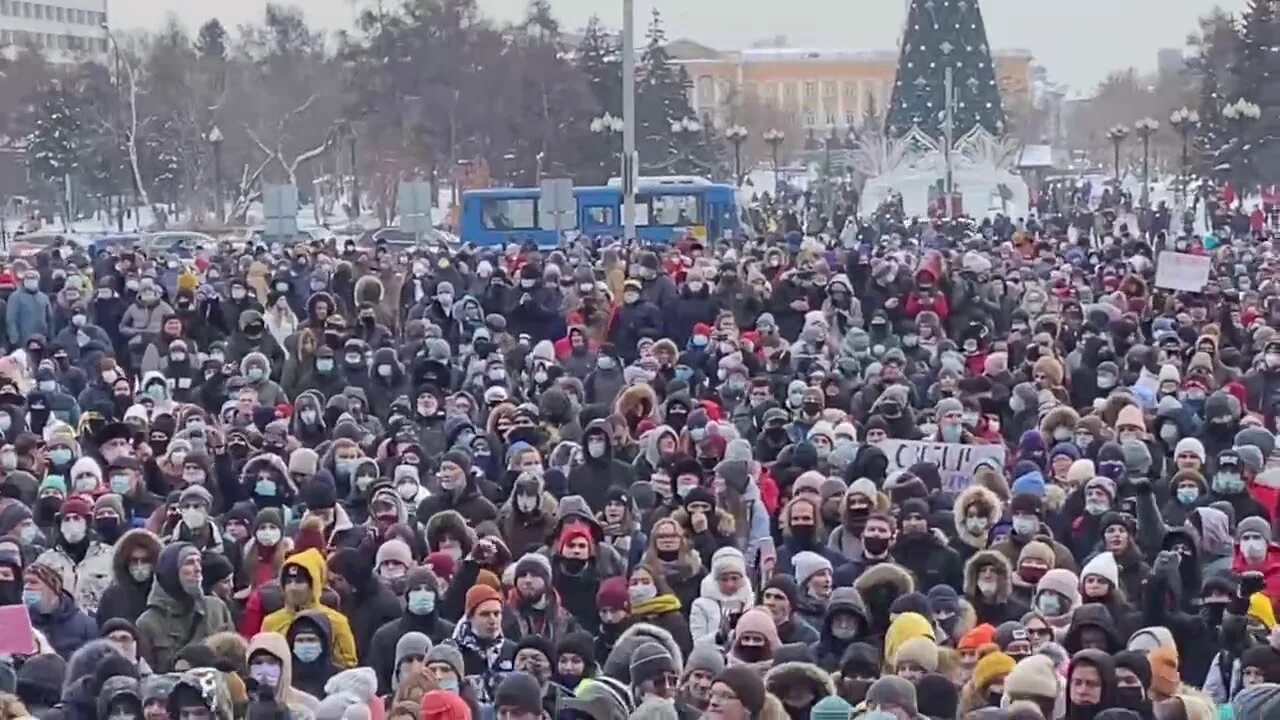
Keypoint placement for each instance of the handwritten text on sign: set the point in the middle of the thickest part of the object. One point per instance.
(955, 462)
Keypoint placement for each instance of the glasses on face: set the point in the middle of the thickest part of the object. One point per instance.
(1039, 633)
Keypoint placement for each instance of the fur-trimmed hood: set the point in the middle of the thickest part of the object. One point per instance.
(452, 522)
(781, 678)
(1059, 417)
(637, 401)
(368, 289)
(649, 443)
(891, 574)
(618, 664)
(725, 524)
(981, 559)
(138, 538)
(988, 501)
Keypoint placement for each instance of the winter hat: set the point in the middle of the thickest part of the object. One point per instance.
(1103, 483)
(613, 594)
(448, 654)
(991, 668)
(1257, 437)
(728, 559)
(919, 650)
(477, 594)
(943, 598)
(1037, 550)
(396, 550)
(831, 707)
(1150, 638)
(519, 690)
(1067, 449)
(46, 574)
(1190, 445)
(649, 661)
(409, 645)
(1104, 566)
(1081, 471)
(807, 564)
(1033, 677)
(810, 480)
(1032, 483)
(1027, 503)
(758, 620)
(1062, 581)
(736, 474)
(892, 690)
(984, 634)
(938, 696)
(704, 656)
(535, 564)
(1164, 671)
(947, 405)
(1256, 524)
(913, 602)
(745, 682)
(303, 461)
(784, 584)
(1265, 658)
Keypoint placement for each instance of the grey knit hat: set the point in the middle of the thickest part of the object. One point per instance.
(893, 690)
(449, 655)
(704, 656)
(1259, 702)
(1254, 524)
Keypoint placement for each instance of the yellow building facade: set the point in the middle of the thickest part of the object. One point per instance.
(816, 89)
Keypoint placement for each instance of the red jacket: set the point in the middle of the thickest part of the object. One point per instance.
(938, 305)
(1269, 567)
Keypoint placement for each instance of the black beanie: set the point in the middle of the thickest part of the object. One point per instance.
(1026, 503)
(461, 458)
(320, 493)
(579, 643)
(519, 690)
(539, 643)
(860, 660)
(216, 568)
(784, 584)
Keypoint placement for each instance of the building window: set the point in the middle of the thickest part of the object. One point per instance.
(706, 90)
(26, 9)
(809, 119)
(850, 118)
(4, 7)
(37, 11)
(80, 17)
(810, 90)
(849, 88)
(62, 14)
(828, 89)
(789, 93)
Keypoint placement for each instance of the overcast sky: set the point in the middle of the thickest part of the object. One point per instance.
(1079, 41)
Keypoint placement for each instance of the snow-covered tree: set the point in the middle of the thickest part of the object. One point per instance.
(662, 97)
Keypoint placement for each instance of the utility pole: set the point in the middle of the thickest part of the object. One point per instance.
(630, 163)
(949, 130)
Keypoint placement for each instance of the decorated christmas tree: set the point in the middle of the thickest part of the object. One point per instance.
(944, 34)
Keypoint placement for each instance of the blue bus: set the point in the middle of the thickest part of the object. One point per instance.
(667, 209)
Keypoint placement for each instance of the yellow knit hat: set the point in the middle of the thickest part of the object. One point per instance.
(991, 668)
(1260, 609)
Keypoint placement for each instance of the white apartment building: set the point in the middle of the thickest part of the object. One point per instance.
(64, 30)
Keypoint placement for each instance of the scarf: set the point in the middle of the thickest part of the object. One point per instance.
(656, 606)
(466, 638)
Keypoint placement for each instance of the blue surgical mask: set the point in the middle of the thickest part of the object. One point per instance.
(307, 652)
(255, 374)
(449, 685)
(265, 488)
(421, 602)
(32, 598)
(120, 484)
(1188, 495)
(346, 468)
(60, 456)
(324, 365)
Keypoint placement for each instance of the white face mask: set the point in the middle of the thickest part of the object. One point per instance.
(73, 531)
(988, 587)
(1254, 548)
(595, 448)
(268, 536)
(526, 503)
(194, 518)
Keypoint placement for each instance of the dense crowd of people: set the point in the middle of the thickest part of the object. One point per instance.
(887, 470)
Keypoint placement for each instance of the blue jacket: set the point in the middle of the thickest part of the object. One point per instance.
(66, 627)
(29, 313)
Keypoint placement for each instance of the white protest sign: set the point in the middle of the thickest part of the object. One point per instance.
(955, 462)
(1182, 271)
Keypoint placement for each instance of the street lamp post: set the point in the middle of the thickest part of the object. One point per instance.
(1237, 114)
(356, 128)
(1117, 135)
(774, 138)
(1184, 120)
(737, 135)
(1145, 128)
(215, 140)
(685, 130)
(608, 126)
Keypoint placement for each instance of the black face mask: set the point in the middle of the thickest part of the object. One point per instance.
(668, 555)
(676, 420)
(11, 592)
(1133, 698)
(803, 534)
(1212, 613)
(752, 653)
(875, 545)
(854, 691)
(573, 566)
(108, 528)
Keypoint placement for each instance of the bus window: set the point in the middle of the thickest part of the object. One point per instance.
(642, 213)
(601, 215)
(678, 210)
(509, 213)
